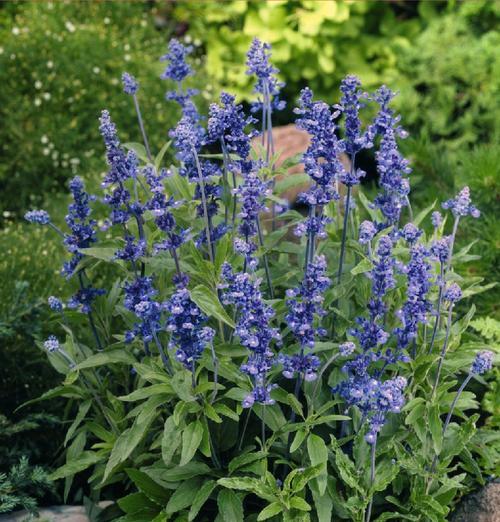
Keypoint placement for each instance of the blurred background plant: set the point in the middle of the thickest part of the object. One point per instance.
(61, 62)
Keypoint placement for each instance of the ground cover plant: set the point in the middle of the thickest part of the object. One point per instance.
(251, 363)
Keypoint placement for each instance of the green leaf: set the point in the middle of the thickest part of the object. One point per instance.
(302, 478)
(84, 461)
(365, 265)
(170, 440)
(209, 303)
(300, 504)
(230, 506)
(435, 427)
(367, 204)
(183, 495)
(346, 468)
(148, 486)
(191, 439)
(423, 213)
(129, 439)
(146, 392)
(244, 460)
(180, 473)
(298, 440)
(295, 404)
(201, 497)
(159, 156)
(270, 511)
(119, 356)
(69, 392)
(139, 149)
(102, 252)
(136, 502)
(241, 483)
(82, 411)
(318, 454)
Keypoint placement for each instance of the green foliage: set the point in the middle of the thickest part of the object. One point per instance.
(449, 76)
(22, 486)
(313, 42)
(60, 65)
(186, 449)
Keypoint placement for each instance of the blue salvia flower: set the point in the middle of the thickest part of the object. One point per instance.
(51, 344)
(177, 69)
(133, 250)
(122, 167)
(452, 293)
(410, 233)
(362, 389)
(140, 299)
(227, 123)
(250, 194)
(130, 84)
(82, 229)
(440, 249)
(39, 217)
(186, 324)
(483, 362)
(392, 167)
(161, 207)
(351, 102)
(55, 303)
(305, 304)
(322, 157)
(436, 219)
(258, 63)
(367, 231)
(461, 204)
(314, 225)
(417, 306)
(83, 299)
(254, 330)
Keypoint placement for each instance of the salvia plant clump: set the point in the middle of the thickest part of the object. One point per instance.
(238, 360)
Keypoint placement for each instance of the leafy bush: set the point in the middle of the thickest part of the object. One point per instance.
(231, 372)
(450, 95)
(21, 487)
(60, 62)
(328, 39)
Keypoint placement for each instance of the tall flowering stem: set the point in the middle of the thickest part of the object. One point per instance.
(82, 235)
(254, 331)
(452, 294)
(482, 363)
(321, 162)
(392, 167)
(267, 88)
(353, 142)
(130, 87)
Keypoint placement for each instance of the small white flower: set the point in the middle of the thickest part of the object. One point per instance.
(46, 95)
(96, 70)
(38, 102)
(16, 31)
(38, 84)
(107, 20)
(46, 151)
(70, 27)
(50, 64)
(44, 139)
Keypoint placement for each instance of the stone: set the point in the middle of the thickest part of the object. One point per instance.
(479, 506)
(53, 514)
